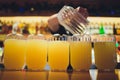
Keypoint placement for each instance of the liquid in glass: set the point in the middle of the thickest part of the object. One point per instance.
(36, 56)
(14, 53)
(58, 55)
(105, 54)
(80, 55)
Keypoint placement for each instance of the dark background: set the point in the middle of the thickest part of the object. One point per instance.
(49, 7)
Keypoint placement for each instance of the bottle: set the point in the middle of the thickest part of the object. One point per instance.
(96, 28)
(91, 27)
(118, 29)
(114, 29)
(108, 28)
(15, 28)
(111, 28)
(101, 30)
(0, 26)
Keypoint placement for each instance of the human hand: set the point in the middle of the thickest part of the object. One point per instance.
(53, 23)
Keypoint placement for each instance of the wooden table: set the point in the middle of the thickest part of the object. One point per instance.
(92, 74)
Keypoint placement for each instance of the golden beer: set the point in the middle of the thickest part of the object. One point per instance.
(58, 55)
(36, 56)
(14, 53)
(80, 53)
(105, 53)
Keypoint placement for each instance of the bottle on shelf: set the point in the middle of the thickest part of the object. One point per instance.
(108, 28)
(96, 28)
(118, 29)
(114, 29)
(101, 29)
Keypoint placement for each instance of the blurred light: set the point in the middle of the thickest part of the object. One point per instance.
(21, 9)
(32, 9)
(112, 12)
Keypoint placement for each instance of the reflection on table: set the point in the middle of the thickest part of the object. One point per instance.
(92, 74)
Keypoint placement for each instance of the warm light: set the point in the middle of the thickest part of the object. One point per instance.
(31, 19)
(104, 19)
(32, 9)
(26, 19)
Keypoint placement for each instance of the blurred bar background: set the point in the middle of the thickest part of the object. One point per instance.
(33, 13)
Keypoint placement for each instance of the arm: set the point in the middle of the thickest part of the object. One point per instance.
(55, 27)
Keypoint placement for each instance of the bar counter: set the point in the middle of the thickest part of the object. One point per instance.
(92, 74)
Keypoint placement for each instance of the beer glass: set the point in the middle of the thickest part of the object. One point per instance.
(58, 53)
(80, 52)
(105, 52)
(72, 20)
(14, 52)
(36, 54)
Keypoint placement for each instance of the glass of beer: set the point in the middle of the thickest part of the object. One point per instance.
(58, 53)
(36, 54)
(105, 52)
(14, 52)
(72, 20)
(80, 52)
